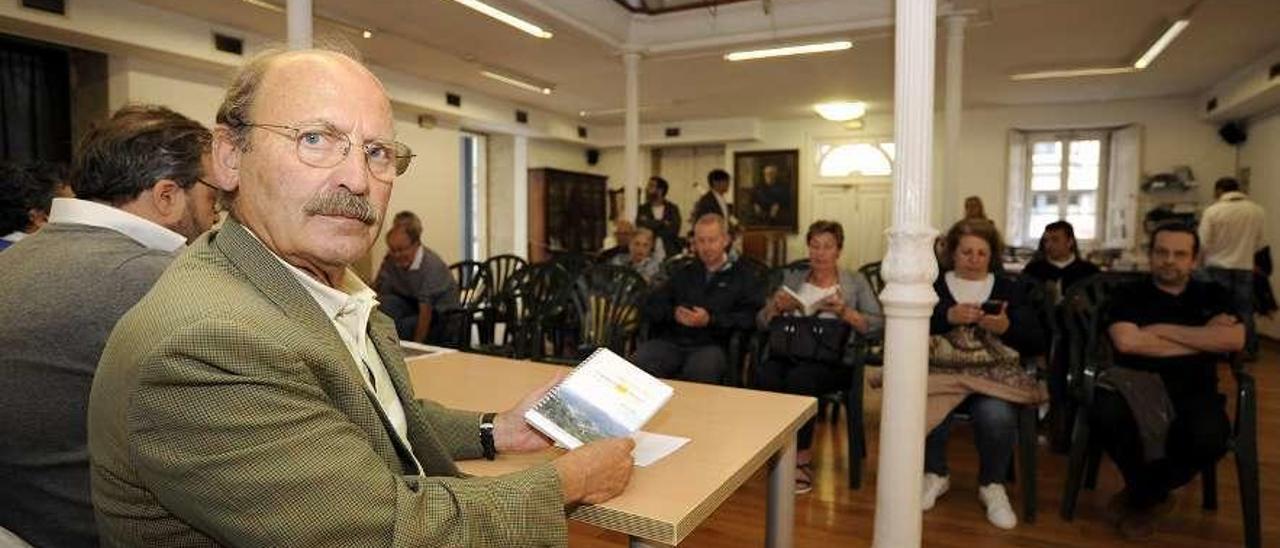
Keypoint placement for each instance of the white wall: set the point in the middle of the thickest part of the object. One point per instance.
(1259, 154)
(192, 93)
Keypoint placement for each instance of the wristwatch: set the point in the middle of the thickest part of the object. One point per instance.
(486, 436)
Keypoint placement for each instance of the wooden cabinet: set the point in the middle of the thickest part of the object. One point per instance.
(566, 212)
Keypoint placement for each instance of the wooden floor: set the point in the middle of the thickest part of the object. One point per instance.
(834, 515)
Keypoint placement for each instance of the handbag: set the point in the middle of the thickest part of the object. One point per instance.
(808, 338)
(967, 347)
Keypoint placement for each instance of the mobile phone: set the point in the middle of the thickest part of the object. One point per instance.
(992, 307)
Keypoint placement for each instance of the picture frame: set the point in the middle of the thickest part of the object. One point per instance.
(766, 189)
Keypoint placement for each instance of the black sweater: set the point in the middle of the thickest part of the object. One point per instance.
(1025, 333)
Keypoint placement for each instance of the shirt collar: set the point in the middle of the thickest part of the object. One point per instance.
(417, 259)
(351, 295)
(1232, 196)
(15, 236)
(143, 231)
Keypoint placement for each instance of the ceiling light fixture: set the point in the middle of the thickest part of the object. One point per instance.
(519, 82)
(506, 18)
(1071, 73)
(367, 34)
(1161, 43)
(788, 50)
(610, 111)
(841, 111)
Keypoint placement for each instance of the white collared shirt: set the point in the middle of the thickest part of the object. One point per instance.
(417, 259)
(1231, 231)
(970, 291)
(143, 231)
(724, 204)
(349, 306)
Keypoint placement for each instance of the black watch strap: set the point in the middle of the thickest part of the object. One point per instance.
(486, 436)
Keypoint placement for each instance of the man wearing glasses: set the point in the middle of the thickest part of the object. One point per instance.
(272, 406)
(63, 288)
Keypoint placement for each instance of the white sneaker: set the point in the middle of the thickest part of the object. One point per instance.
(934, 486)
(999, 512)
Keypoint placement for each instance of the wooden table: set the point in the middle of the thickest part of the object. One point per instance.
(733, 431)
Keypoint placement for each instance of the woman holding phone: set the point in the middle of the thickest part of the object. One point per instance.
(972, 298)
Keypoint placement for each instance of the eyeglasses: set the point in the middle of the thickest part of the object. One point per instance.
(322, 145)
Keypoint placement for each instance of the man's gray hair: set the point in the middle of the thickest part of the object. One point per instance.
(409, 222)
(714, 218)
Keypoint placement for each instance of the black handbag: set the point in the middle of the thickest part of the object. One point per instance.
(808, 338)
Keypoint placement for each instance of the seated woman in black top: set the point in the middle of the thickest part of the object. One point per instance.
(969, 294)
(1057, 262)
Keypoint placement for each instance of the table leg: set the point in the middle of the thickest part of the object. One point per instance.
(637, 542)
(781, 510)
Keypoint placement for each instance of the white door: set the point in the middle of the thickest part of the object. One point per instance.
(863, 210)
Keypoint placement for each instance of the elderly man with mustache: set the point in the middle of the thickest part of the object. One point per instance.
(255, 397)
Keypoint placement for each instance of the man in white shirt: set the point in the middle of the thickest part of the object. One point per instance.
(138, 177)
(1231, 232)
(274, 407)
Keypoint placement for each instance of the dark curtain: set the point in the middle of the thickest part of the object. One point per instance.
(35, 105)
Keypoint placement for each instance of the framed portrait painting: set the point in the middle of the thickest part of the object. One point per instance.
(766, 189)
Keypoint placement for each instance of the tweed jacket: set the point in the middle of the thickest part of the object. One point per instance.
(226, 411)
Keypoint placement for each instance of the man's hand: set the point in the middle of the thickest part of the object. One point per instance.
(511, 434)
(597, 471)
(964, 314)
(692, 317)
(1224, 320)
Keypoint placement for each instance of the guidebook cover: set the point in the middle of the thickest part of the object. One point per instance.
(606, 396)
(811, 304)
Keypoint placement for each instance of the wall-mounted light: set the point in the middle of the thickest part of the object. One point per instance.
(507, 18)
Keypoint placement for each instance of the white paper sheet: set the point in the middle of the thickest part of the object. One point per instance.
(651, 448)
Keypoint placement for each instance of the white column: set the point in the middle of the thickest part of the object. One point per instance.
(631, 148)
(954, 99)
(298, 16)
(909, 269)
(520, 195)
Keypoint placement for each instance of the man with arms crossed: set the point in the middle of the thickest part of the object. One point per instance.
(272, 407)
(1169, 333)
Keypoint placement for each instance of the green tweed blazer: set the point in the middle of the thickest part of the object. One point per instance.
(227, 412)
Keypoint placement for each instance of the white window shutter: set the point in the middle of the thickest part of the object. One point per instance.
(1122, 190)
(1015, 219)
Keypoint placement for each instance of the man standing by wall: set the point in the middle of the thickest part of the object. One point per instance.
(1231, 231)
(139, 178)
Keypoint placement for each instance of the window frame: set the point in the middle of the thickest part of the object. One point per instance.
(1104, 136)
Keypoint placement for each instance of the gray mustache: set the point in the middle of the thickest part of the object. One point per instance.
(342, 203)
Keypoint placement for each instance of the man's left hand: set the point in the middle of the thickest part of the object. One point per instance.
(699, 317)
(511, 434)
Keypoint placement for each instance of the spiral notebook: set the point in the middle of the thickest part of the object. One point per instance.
(606, 396)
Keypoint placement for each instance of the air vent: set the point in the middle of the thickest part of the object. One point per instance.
(522, 117)
(1273, 71)
(582, 132)
(228, 44)
(57, 7)
(1211, 105)
(453, 99)
(672, 132)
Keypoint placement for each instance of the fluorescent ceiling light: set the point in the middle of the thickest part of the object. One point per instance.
(1161, 43)
(788, 50)
(518, 82)
(367, 33)
(506, 18)
(841, 111)
(1071, 73)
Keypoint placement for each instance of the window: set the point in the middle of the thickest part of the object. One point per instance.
(863, 159)
(473, 192)
(1067, 180)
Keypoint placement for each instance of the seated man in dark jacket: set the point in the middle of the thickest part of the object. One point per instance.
(695, 312)
(1159, 414)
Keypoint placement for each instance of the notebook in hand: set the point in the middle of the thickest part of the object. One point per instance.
(606, 396)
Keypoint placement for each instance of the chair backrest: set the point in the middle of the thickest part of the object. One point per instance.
(572, 262)
(608, 301)
(871, 271)
(1083, 314)
(538, 294)
(474, 283)
(500, 268)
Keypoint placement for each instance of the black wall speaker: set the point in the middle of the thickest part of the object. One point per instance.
(1233, 133)
(593, 156)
